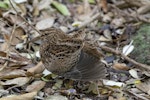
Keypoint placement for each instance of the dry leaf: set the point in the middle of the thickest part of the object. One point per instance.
(20, 81)
(56, 97)
(113, 83)
(43, 4)
(39, 68)
(35, 86)
(118, 22)
(120, 66)
(22, 7)
(134, 73)
(20, 1)
(11, 73)
(127, 49)
(18, 34)
(104, 5)
(45, 23)
(4, 46)
(144, 86)
(104, 39)
(2, 54)
(26, 96)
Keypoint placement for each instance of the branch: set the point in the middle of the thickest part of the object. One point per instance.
(87, 22)
(144, 66)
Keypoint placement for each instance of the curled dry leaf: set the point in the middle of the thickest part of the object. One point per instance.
(20, 81)
(11, 73)
(39, 68)
(26, 96)
(127, 49)
(35, 86)
(120, 66)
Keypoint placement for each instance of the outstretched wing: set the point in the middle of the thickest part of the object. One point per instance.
(88, 68)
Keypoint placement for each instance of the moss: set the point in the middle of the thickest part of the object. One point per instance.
(141, 52)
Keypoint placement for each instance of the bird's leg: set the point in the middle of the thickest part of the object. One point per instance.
(97, 88)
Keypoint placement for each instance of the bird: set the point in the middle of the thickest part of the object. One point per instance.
(70, 56)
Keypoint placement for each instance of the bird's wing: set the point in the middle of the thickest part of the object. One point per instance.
(88, 68)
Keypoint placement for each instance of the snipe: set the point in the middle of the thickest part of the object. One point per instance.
(67, 55)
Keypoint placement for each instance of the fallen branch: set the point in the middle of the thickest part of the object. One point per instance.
(143, 66)
(87, 22)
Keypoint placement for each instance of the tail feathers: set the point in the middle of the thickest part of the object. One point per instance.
(88, 68)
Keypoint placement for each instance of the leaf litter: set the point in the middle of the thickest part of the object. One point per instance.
(113, 26)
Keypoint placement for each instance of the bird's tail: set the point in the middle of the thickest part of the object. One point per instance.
(88, 68)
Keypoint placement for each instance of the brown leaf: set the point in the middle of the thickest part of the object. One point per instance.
(20, 81)
(22, 7)
(36, 8)
(18, 33)
(120, 66)
(3, 54)
(35, 86)
(26, 96)
(11, 73)
(39, 68)
(104, 5)
(6, 37)
(4, 46)
(144, 86)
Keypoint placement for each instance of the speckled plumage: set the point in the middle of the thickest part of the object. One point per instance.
(63, 54)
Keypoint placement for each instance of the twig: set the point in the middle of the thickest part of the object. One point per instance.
(14, 61)
(1, 19)
(147, 67)
(93, 18)
(137, 95)
(24, 18)
(8, 46)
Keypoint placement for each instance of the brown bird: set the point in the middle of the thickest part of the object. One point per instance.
(70, 56)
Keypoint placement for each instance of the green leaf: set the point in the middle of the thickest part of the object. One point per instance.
(4, 5)
(91, 1)
(61, 8)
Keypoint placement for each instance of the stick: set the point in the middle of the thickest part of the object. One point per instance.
(147, 67)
